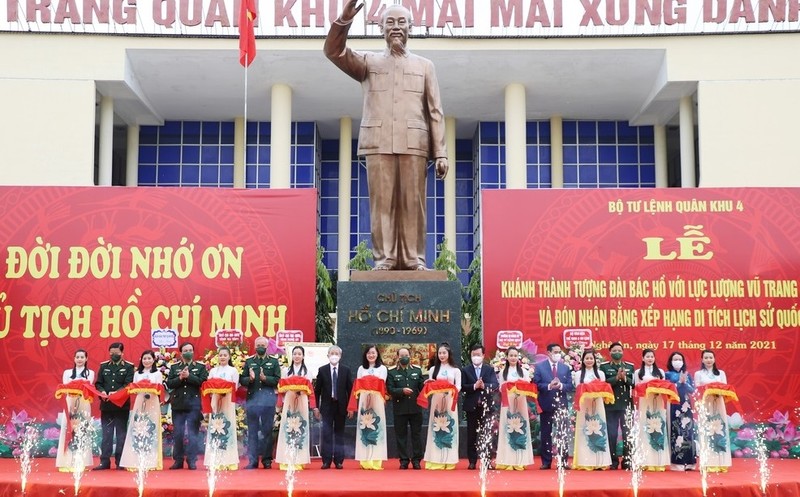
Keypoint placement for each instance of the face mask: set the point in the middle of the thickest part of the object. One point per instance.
(187, 356)
(405, 361)
(261, 350)
(116, 357)
(677, 365)
(556, 356)
(477, 360)
(334, 359)
(616, 356)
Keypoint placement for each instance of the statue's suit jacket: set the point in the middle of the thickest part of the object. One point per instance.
(402, 106)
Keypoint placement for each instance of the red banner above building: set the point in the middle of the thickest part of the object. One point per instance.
(85, 267)
(667, 269)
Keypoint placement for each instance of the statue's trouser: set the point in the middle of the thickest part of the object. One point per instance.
(397, 209)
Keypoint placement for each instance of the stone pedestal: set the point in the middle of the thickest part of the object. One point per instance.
(390, 308)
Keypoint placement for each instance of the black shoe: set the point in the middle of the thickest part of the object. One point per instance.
(191, 465)
(102, 467)
(326, 465)
(471, 465)
(339, 465)
(267, 464)
(416, 465)
(544, 466)
(176, 465)
(252, 465)
(403, 465)
(120, 468)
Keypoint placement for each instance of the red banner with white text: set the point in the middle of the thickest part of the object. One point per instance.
(83, 267)
(668, 269)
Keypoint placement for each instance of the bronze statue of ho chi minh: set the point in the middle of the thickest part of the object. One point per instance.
(401, 128)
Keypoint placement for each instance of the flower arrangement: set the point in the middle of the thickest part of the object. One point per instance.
(164, 360)
(18, 426)
(239, 353)
(781, 436)
(572, 357)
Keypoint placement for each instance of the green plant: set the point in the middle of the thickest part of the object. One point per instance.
(471, 311)
(325, 301)
(446, 261)
(361, 261)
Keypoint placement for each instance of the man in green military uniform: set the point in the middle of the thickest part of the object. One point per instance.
(184, 382)
(620, 375)
(404, 384)
(261, 374)
(114, 374)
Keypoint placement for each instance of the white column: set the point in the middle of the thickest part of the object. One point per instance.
(345, 173)
(450, 185)
(556, 152)
(132, 156)
(106, 140)
(516, 157)
(280, 171)
(239, 151)
(688, 179)
(660, 145)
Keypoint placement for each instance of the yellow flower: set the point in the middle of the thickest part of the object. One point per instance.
(367, 421)
(514, 425)
(441, 423)
(593, 427)
(653, 425)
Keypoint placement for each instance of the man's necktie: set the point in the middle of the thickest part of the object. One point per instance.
(334, 383)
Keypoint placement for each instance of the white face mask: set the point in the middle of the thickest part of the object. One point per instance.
(477, 360)
(556, 356)
(334, 359)
(677, 365)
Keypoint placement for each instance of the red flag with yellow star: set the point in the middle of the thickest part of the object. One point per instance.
(247, 37)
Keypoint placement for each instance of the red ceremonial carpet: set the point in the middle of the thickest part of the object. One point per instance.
(740, 481)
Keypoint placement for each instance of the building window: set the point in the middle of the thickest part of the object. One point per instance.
(186, 153)
(305, 155)
(608, 154)
(329, 203)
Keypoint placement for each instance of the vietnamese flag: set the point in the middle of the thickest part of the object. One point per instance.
(247, 37)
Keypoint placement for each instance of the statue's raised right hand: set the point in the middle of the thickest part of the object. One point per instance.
(351, 9)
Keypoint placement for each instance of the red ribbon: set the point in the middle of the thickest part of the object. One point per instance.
(593, 389)
(144, 386)
(366, 384)
(519, 387)
(212, 386)
(658, 387)
(299, 384)
(437, 386)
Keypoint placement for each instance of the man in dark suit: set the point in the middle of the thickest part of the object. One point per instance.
(554, 380)
(332, 389)
(478, 384)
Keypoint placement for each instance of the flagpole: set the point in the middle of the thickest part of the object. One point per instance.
(244, 131)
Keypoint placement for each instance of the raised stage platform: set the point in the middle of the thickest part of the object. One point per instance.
(741, 481)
